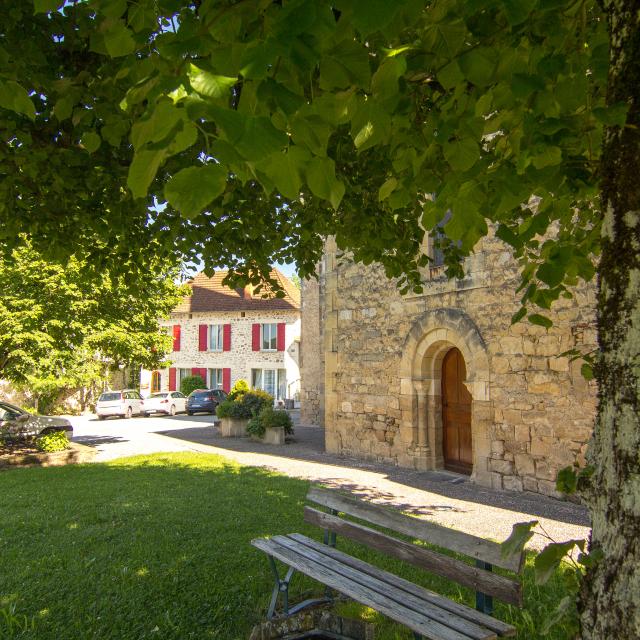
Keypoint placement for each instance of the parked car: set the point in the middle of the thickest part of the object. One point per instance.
(204, 400)
(169, 402)
(123, 403)
(18, 423)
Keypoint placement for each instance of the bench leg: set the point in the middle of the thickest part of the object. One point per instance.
(280, 587)
(484, 602)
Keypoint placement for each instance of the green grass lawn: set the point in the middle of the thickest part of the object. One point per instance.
(158, 547)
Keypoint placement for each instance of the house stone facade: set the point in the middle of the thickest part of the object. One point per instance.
(387, 367)
(226, 335)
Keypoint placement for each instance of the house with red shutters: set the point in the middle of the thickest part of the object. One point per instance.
(225, 335)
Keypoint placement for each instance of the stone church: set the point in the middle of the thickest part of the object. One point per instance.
(441, 379)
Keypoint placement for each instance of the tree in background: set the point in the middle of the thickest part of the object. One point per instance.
(267, 125)
(61, 331)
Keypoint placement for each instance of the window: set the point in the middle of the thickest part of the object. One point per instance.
(183, 373)
(214, 379)
(269, 337)
(216, 333)
(156, 381)
(273, 381)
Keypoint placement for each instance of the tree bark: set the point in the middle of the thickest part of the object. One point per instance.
(610, 596)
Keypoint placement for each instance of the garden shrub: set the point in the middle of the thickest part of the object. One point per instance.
(52, 442)
(191, 383)
(245, 406)
(230, 409)
(267, 418)
(238, 390)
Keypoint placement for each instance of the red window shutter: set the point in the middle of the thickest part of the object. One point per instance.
(226, 338)
(255, 337)
(226, 380)
(281, 326)
(198, 371)
(176, 337)
(172, 379)
(202, 337)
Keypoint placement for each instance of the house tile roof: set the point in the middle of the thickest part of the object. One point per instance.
(209, 294)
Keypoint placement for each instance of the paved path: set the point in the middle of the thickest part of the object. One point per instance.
(444, 497)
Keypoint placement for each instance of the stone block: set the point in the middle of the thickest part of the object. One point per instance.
(504, 467)
(548, 488)
(512, 416)
(541, 446)
(544, 471)
(518, 363)
(499, 364)
(346, 407)
(496, 481)
(559, 364)
(273, 435)
(530, 484)
(522, 433)
(512, 483)
(529, 347)
(551, 388)
(511, 345)
(525, 465)
(497, 448)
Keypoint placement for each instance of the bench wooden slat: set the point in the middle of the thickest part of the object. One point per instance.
(464, 543)
(415, 621)
(377, 580)
(500, 628)
(507, 590)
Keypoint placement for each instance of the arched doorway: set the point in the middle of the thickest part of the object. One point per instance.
(456, 414)
(156, 382)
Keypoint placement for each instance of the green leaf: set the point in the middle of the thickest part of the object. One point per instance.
(286, 170)
(462, 154)
(587, 371)
(321, 178)
(345, 65)
(312, 132)
(211, 85)
(450, 75)
(550, 156)
(118, 40)
(521, 313)
(517, 11)
(63, 108)
(385, 80)
(371, 15)
(44, 6)
(192, 189)
(90, 141)
(542, 321)
(521, 533)
(158, 126)
(612, 115)
(143, 170)
(479, 66)
(15, 98)
(370, 125)
(549, 559)
(567, 480)
(387, 188)
(260, 139)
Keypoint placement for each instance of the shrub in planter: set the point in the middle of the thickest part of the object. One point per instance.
(230, 409)
(269, 417)
(256, 400)
(191, 383)
(52, 442)
(238, 390)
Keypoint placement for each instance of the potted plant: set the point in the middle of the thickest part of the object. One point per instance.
(235, 413)
(270, 426)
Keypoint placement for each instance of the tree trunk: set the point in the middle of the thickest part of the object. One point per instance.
(610, 598)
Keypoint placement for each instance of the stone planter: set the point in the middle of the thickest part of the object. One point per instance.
(75, 454)
(233, 427)
(273, 435)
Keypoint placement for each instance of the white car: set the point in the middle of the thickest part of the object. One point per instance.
(123, 403)
(169, 402)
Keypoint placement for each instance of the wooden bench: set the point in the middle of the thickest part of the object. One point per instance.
(426, 613)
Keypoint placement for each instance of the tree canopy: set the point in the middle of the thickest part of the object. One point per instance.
(264, 126)
(60, 330)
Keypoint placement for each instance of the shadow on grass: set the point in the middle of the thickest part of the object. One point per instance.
(153, 547)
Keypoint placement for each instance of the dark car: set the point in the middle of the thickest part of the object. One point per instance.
(204, 400)
(18, 423)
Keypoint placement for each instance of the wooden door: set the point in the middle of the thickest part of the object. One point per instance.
(456, 414)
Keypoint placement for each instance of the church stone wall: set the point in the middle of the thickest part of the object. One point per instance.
(532, 411)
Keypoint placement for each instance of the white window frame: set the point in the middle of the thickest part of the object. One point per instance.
(279, 388)
(269, 335)
(214, 378)
(182, 374)
(216, 337)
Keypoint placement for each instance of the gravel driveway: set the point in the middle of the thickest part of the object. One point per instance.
(444, 497)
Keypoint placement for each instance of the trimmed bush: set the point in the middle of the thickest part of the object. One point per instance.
(247, 405)
(269, 417)
(52, 442)
(238, 390)
(191, 383)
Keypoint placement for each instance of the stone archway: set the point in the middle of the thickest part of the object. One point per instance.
(431, 337)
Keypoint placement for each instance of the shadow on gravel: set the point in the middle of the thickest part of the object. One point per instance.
(308, 444)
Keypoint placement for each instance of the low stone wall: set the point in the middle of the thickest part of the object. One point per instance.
(75, 454)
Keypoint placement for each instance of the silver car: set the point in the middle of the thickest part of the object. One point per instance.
(18, 423)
